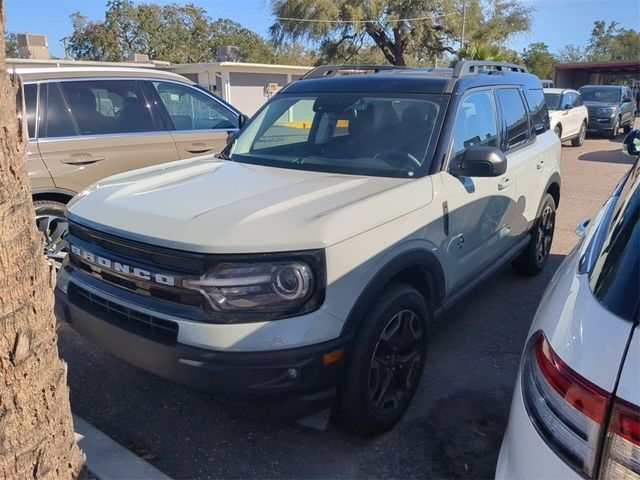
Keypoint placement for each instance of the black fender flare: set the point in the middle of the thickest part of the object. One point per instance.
(424, 260)
(554, 179)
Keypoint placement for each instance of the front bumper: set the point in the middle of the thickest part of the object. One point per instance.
(600, 124)
(262, 376)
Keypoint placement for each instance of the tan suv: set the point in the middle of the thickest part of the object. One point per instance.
(87, 123)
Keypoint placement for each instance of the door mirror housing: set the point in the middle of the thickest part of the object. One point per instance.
(567, 106)
(631, 144)
(242, 120)
(481, 161)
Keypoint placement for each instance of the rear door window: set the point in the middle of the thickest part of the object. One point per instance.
(59, 121)
(191, 109)
(538, 108)
(102, 107)
(514, 116)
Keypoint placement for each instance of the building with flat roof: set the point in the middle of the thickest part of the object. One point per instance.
(575, 75)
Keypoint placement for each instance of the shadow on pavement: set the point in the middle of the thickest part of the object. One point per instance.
(607, 156)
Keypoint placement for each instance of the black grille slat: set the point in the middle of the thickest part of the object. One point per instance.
(148, 326)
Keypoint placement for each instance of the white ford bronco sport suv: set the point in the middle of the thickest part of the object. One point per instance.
(312, 254)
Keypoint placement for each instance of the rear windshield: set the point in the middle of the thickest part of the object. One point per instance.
(553, 100)
(606, 95)
(353, 133)
(615, 277)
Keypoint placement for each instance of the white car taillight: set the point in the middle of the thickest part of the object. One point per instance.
(567, 410)
(621, 455)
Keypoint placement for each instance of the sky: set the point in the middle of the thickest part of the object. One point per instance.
(555, 22)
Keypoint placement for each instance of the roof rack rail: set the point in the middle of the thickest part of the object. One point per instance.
(471, 67)
(333, 70)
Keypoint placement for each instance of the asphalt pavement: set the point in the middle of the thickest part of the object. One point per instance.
(453, 429)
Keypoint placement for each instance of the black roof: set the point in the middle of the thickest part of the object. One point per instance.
(411, 80)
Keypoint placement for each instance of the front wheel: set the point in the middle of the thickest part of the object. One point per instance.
(627, 128)
(614, 131)
(579, 140)
(558, 131)
(533, 259)
(52, 224)
(386, 362)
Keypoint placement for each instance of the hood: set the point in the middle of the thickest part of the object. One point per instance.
(216, 206)
(599, 104)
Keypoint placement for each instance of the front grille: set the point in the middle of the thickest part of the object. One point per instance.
(148, 326)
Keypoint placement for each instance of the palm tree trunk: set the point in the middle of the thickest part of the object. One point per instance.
(36, 431)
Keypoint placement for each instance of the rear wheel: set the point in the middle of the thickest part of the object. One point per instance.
(386, 362)
(53, 227)
(579, 140)
(533, 259)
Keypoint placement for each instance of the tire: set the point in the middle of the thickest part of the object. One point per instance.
(558, 131)
(627, 128)
(53, 227)
(389, 347)
(533, 258)
(579, 140)
(614, 131)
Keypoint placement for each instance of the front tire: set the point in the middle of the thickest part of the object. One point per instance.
(386, 363)
(52, 225)
(627, 128)
(579, 140)
(614, 131)
(558, 131)
(533, 259)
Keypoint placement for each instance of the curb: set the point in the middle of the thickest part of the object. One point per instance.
(109, 460)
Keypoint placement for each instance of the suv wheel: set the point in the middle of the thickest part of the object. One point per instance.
(579, 140)
(627, 128)
(386, 362)
(533, 259)
(614, 130)
(53, 227)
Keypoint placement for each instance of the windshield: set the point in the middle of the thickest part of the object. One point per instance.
(353, 133)
(553, 100)
(605, 95)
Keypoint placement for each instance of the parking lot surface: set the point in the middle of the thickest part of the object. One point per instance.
(453, 429)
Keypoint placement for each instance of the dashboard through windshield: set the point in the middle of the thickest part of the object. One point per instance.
(352, 133)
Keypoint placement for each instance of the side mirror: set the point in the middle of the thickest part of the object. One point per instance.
(567, 106)
(231, 135)
(242, 120)
(480, 161)
(631, 143)
(626, 99)
(582, 227)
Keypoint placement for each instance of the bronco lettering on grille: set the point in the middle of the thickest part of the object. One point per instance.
(123, 268)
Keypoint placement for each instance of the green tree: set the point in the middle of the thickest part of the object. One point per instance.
(485, 51)
(172, 32)
(613, 43)
(403, 31)
(539, 60)
(11, 45)
(571, 54)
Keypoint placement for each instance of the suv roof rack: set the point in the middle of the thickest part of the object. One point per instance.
(472, 67)
(333, 70)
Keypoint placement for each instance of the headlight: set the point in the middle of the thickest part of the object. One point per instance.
(271, 289)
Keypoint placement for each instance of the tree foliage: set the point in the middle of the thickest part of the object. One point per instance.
(10, 45)
(403, 31)
(539, 60)
(613, 43)
(173, 32)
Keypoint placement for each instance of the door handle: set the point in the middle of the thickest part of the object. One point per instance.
(504, 183)
(82, 159)
(198, 148)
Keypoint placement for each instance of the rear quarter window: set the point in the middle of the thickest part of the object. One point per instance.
(615, 277)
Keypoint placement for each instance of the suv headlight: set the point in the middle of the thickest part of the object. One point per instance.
(266, 289)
